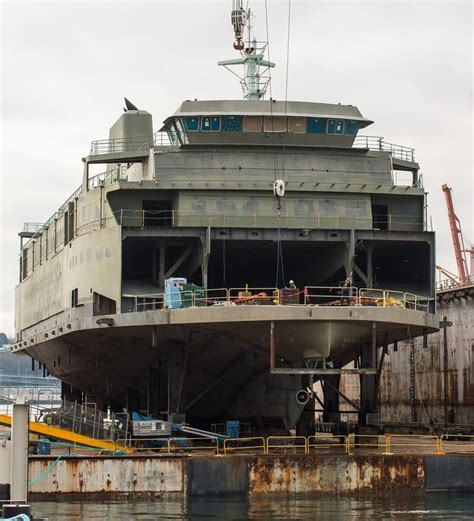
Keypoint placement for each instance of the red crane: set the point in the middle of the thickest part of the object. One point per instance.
(458, 240)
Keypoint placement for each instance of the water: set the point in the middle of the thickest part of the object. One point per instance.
(407, 506)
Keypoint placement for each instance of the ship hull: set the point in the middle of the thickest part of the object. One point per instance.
(213, 363)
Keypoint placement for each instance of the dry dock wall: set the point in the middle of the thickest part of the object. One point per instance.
(412, 382)
(247, 475)
(420, 397)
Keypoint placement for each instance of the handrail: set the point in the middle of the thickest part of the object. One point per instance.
(326, 296)
(377, 143)
(104, 178)
(118, 145)
(256, 443)
(317, 220)
(280, 443)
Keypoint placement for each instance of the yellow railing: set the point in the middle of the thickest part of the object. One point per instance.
(456, 443)
(382, 444)
(371, 441)
(256, 443)
(320, 442)
(311, 295)
(285, 443)
(408, 442)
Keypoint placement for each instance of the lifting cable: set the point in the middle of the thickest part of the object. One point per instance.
(280, 269)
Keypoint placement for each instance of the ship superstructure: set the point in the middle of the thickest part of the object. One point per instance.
(196, 200)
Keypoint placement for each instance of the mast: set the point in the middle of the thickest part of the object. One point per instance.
(255, 79)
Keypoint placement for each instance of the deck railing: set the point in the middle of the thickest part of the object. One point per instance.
(334, 296)
(119, 145)
(378, 143)
(316, 220)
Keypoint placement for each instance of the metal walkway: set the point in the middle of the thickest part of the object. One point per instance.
(62, 434)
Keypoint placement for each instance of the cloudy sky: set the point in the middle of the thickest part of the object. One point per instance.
(67, 65)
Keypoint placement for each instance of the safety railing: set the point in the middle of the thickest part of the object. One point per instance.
(196, 297)
(172, 445)
(372, 441)
(108, 177)
(378, 143)
(114, 146)
(320, 443)
(456, 443)
(447, 284)
(250, 296)
(86, 419)
(252, 445)
(331, 295)
(286, 444)
(315, 220)
(406, 443)
(354, 443)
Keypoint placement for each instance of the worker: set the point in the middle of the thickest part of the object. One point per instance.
(292, 284)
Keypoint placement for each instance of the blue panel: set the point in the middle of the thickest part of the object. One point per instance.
(232, 123)
(351, 128)
(210, 123)
(316, 125)
(192, 123)
(335, 126)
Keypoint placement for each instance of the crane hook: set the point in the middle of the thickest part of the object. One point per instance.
(238, 45)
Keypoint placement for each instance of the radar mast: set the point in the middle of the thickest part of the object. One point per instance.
(255, 79)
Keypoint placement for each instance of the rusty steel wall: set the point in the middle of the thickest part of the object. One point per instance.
(419, 395)
(155, 476)
(106, 475)
(335, 474)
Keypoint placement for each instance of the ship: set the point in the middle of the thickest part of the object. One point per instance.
(224, 263)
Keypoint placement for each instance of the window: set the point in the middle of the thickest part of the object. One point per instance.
(192, 123)
(232, 123)
(74, 298)
(252, 123)
(351, 128)
(210, 123)
(316, 125)
(296, 125)
(335, 126)
(274, 124)
(172, 133)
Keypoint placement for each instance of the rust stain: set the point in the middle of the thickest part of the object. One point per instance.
(337, 474)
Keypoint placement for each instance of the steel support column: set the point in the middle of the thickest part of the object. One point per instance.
(19, 454)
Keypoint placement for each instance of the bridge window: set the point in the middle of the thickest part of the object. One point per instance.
(296, 125)
(252, 123)
(232, 123)
(335, 126)
(351, 128)
(210, 123)
(192, 123)
(316, 125)
(274, 124)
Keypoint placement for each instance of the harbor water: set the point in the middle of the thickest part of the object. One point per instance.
(428, 506)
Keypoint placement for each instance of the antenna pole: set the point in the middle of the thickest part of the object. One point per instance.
(254, 81)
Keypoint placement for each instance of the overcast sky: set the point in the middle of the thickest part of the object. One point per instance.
(67, 65)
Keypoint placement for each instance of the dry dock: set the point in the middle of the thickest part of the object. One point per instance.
(115, 477)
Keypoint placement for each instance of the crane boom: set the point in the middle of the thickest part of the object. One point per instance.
(456, 234)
